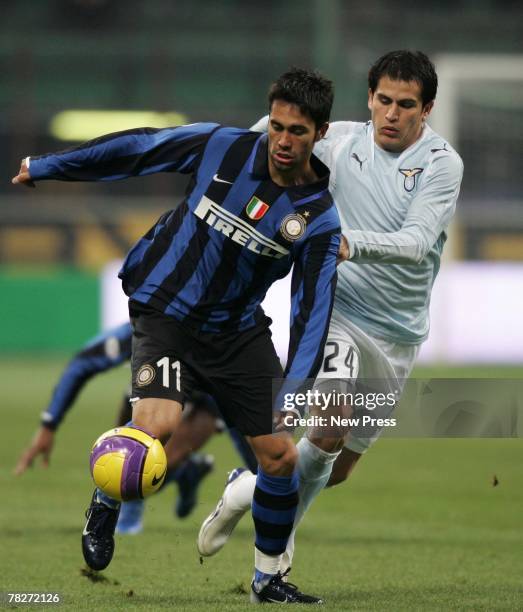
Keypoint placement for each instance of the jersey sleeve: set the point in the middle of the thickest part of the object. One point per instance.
(99, 355)
(337, 132)
(429, 214)
(121, 155)
(262, 125)
(312, 295)
(329, 147)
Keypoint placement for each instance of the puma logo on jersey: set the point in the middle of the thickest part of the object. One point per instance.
(360, 161)
(411, 176)
(238, 230)
(443, 148)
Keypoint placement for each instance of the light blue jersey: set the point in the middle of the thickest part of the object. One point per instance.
(394, 210)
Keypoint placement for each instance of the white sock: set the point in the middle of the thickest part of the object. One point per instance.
(241, 492)
(315, 467)
(268, 564)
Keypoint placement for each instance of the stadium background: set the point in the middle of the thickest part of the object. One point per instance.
(209, 60)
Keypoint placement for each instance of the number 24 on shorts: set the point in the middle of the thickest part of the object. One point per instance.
(344, 361)
(166, 367)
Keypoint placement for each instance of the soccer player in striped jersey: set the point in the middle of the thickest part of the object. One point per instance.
(396, 183)
(256, 205)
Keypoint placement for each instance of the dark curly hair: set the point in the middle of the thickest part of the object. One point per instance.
(309, 90)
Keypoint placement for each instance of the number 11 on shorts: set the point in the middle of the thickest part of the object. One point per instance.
(166, 372)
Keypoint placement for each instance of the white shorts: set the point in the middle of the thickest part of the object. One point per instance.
(351, 354)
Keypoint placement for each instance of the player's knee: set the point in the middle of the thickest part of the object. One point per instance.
(279, 461)
(290, 459)
(159, 417)
(329, 445)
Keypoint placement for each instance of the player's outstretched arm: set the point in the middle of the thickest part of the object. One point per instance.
(23, 177)
(100, 354)
(121, 155)
(42, 444)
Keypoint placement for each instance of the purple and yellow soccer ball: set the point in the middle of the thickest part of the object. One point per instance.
(127, 463)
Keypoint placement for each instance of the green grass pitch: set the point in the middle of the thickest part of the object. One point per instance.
(419, 526)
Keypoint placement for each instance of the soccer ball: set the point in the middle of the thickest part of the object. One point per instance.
(127, 463)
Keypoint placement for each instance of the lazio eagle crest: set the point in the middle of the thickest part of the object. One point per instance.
(410, 175)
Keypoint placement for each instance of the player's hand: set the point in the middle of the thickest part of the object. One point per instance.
(344, 250)
(284, 420)
(23, 177)
(42, 444)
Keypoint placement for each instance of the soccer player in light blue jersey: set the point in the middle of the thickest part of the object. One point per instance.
(395, 183)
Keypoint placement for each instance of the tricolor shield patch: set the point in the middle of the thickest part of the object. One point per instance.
(256, 209)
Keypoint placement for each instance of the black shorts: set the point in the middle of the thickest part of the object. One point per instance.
(170, 360)
(199, 401)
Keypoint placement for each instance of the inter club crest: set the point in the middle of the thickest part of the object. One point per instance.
(293, 226)
(411, 176)
(145, 375)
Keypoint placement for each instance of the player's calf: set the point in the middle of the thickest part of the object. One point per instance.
(343, 467)
(189, 477)
(273, 510)
(274, 503)
(234, 503)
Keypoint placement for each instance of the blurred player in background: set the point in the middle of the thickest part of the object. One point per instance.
(256, 205)
(395, 183)
(185, 467)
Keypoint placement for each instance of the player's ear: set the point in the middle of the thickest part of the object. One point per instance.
(427, 109)
(320, 133)
(369, 101)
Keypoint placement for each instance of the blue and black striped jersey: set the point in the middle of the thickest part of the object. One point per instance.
(105, 351)
(210, 261)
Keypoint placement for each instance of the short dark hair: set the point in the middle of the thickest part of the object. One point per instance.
(309, 90)
(406, 66)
